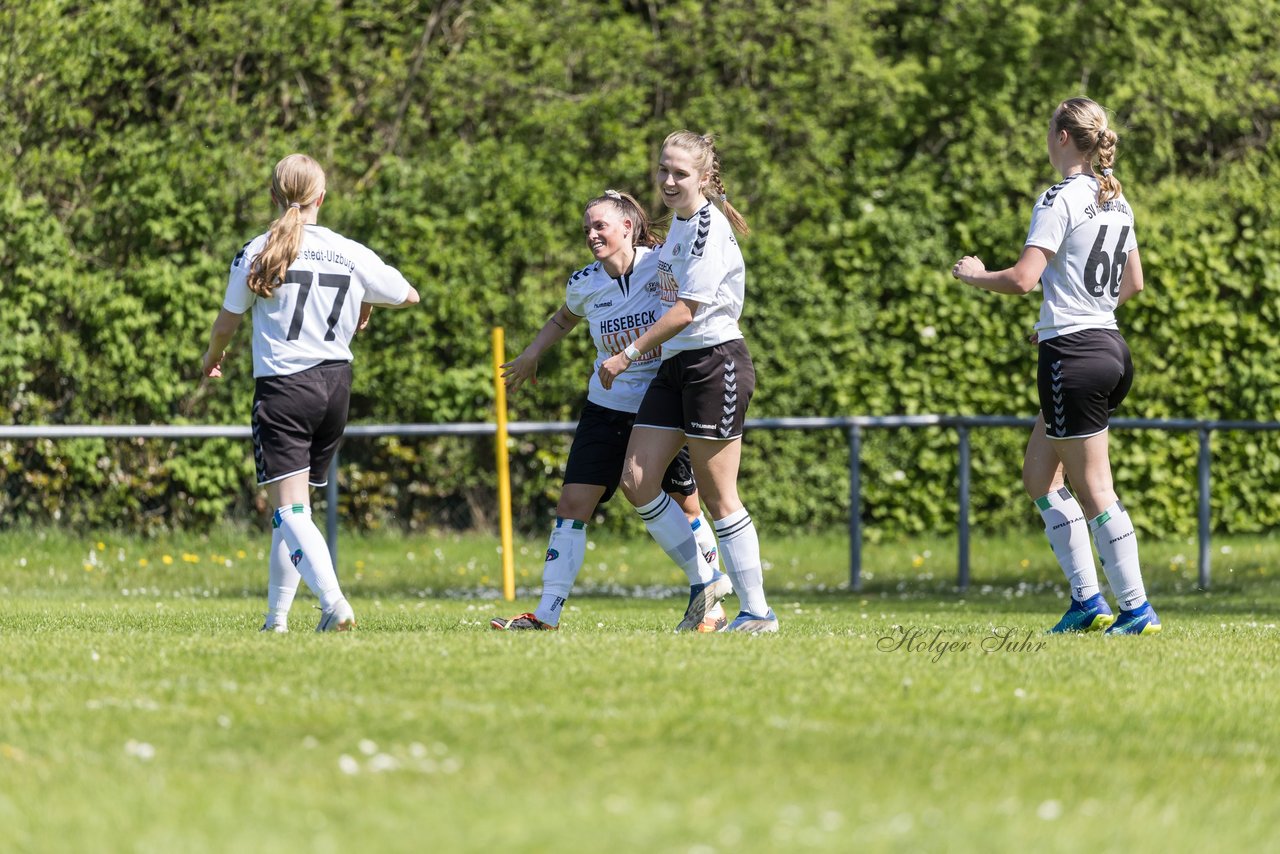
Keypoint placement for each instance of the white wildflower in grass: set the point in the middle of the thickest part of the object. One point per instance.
(368, 747)
(383, 762)
(348, 765)
(1050, 810)
(140, 749)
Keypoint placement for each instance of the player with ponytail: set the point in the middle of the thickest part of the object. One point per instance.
(310, 290)
(619, 297)
(702, 389)
(1083, 248)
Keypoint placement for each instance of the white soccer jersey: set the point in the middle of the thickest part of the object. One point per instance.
(312, 316)
(619, 311)
(701, 261)
(1090, 244)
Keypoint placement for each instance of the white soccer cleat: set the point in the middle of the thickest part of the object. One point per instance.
(752, 624)
(277, 624)
(340, 619)
(715, 620)
(702, 598)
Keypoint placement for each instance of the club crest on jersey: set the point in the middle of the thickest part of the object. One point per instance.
(651, 287)
(675, 252)
(552, 554)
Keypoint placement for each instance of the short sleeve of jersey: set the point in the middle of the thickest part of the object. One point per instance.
(705, 269)
(239, 298)
(575, 295)
(1048, 223)
(383, 284)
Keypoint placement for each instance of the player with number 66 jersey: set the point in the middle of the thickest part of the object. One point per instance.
(1083, 249)
(1090, 243)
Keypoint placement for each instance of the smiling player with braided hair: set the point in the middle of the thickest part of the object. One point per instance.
(702, 389)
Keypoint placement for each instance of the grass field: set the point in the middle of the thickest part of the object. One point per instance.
(140, 709)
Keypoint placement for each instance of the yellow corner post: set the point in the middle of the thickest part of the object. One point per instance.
(504, 469)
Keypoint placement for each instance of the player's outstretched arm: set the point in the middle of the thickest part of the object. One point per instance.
(366, 308)
(224, 327)
(525, 366)
(1019, 279)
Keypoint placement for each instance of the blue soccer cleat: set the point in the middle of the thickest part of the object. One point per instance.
(702, 599)
(1091, 615)
(752, 624)
(1142, 620)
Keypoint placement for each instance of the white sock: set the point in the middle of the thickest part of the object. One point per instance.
(315, 565)
(566, 550)
(741, 546)
(282, 583)
(669, 526)
(706, 539)
(1068, 533)
(1117, 543)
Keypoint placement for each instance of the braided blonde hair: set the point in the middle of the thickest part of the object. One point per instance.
(707, 161)
(1085, 122)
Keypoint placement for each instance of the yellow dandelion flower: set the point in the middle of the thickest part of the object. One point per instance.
(102, 547)
(917, 561)
(359, 564)
(242, 554)
(167, 559)
(1025, 563)
(88, 567)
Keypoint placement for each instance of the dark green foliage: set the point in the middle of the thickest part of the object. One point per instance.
(869, 144)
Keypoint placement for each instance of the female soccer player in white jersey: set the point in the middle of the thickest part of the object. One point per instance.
(306, 286)
(1083, 248)
(701, 391)
(620, 298)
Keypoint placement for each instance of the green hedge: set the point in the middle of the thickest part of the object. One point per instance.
(869, 144)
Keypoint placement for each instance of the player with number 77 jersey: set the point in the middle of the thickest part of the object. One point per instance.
(306, 286)
(312, 316)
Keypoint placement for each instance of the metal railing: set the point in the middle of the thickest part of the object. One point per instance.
(853, 425)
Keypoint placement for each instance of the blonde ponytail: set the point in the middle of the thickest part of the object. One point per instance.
(298, 182)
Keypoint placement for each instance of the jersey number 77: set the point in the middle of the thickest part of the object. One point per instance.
(303, 279)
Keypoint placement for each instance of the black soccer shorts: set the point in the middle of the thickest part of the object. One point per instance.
(298, 421)
(1081, 379)
(599, 451)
